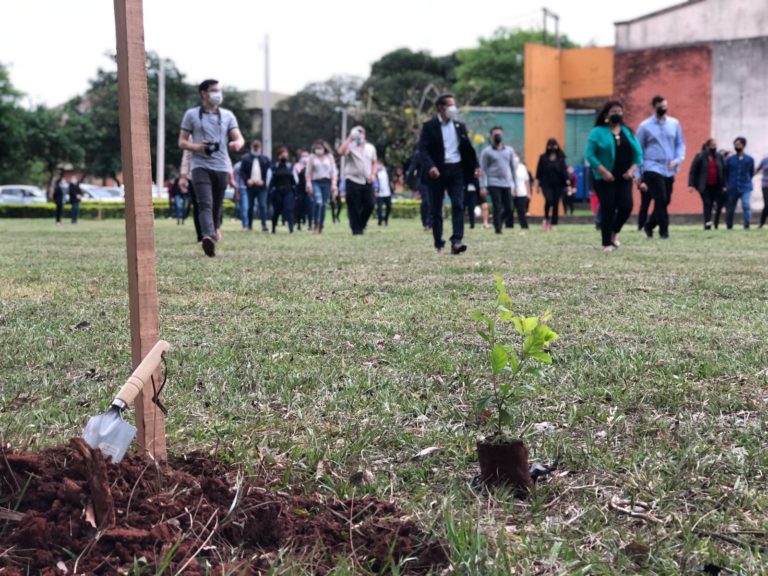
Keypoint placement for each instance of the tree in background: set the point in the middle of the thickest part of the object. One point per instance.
(399, 95)
(13, 157)
(313, 113)
(492, 73)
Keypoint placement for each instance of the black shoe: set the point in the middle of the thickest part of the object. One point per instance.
(648, 232)
(209, 247)
(458, 248)
(665, 237)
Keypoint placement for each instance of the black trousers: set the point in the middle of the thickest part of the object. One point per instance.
(708, 198)
(645, 204)
(569, 202)
(282, 205)
(359, 205)
(383, 209)
(451, 181)
(59, 210)
(502, 207)
(764, 214)
(336, 209)
(209, 196)
(615, 206)
(660, 191)
(551, 203)
(470, 202)
(521, 206)
(425, 212)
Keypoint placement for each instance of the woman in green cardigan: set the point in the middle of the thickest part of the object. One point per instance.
(614, 154)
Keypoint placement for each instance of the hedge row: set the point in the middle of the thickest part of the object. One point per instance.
(97, 211)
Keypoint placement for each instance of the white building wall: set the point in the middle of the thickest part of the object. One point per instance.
(740, 98)
(695, 22)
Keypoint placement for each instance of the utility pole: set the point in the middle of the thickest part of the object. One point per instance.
(160, 153)
(549, 14)
(267, 112)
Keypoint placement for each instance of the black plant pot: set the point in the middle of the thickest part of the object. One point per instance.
(505, 463)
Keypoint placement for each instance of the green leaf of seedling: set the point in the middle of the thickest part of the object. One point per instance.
(505, 418)
(512, 359)
(505, 389)
(498, 359)
(503, 297)
(484, 335)
(547, 316)
(530, 324)
(506, 315)
(546, 334)
(518, 322)
(541, 356)
(484, 402)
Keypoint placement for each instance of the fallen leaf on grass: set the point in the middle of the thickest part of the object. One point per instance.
(90, 515)
(323, 469)
(362, 477)
(63, 567)
(639, 553)
(84, 325)
(427, 451)
(544, 427)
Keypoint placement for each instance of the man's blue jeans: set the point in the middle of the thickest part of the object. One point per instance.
(245, 213)
(733, 199)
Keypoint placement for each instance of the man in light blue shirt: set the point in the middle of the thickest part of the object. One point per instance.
(663, 144)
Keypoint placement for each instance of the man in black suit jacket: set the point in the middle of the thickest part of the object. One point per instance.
(449, 159)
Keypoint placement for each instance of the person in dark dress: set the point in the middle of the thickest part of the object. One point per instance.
(60, 193)
(552, 180)
(613, 153)
(282, 189)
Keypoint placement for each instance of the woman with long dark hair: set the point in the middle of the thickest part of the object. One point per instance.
(707, 177)
(614, 154)
(552, 179)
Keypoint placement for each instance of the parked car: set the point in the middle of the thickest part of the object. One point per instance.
(92, 193)
(21, 194)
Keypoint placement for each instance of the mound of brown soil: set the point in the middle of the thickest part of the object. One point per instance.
(194, 518)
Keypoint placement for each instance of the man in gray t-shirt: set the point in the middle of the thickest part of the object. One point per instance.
(206, 131)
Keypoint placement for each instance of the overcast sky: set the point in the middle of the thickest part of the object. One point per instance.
(53, 47)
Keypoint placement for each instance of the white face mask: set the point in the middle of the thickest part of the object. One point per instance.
(216, 98)
(451, 112)
(319, 151)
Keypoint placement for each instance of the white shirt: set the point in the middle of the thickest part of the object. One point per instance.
(521, 190)
(450, 141)
(385, 191)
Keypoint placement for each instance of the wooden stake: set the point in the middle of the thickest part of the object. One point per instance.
(139, 214)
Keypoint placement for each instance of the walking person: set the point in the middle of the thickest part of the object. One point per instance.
(613, 153)
(521, 194)
(305, 205)
(182, 201)
(212, 128)
(764, 169)
(254, 169)
(282, 189)
(75, 196)
(359, 174)
(450, 160)
(241, 190)
(552, 180)
(739, 171)
(382, 189)
(60, 194)
(663, 144)
(569, 198)
(707, 177)
(498, 176)
(322, 181)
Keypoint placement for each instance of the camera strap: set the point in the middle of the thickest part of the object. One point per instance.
(200, 113)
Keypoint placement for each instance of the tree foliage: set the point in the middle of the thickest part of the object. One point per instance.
(492, 73)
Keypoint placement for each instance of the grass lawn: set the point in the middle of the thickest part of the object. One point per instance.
(312, 359)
